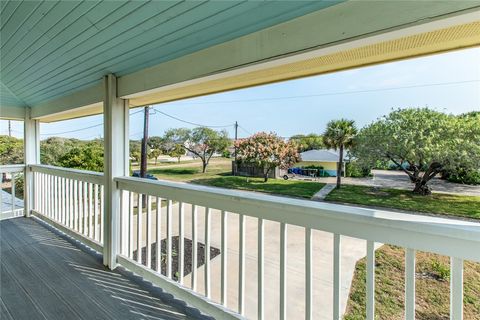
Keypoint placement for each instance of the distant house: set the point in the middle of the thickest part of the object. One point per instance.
(325, 158)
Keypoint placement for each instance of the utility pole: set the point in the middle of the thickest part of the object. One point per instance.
(143, 158)
(9, 128)
(235, 149)
(236, 137)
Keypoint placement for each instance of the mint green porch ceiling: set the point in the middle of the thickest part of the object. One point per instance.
(49, 49)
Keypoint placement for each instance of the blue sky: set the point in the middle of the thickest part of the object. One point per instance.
(306, 105)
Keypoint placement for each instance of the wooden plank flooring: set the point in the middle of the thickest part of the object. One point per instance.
(44, 276)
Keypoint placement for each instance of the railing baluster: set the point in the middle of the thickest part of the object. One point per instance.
(169, 239)
(158, 238)
(260, 260)
(70, 203)
(80, 207)
(75, 205)
(370, 280)
(85, 209)
(49, 196)
(123, 223)
(148, 235)
(181, 241)
(102, 212)
(194, 247)
(308, 273)
(95, 213)
(456, 288)
(64, 203)
(409, 284)
(130, 224)
(12, 190)
(139, 227)
(283, 271)
(90, 210)
(336, 276)
(55, 198)
(207, 252)
(241, 266)
(224, 254)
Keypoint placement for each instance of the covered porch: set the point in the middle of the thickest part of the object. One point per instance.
(81, 235)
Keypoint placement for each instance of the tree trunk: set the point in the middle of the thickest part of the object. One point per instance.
(204, 166)
(178, 159)
(339, 167)
(265, 174)
(421, 186)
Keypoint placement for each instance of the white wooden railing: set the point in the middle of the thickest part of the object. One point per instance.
(168, 204)
(72, 199)
(11, 208)
(229, 220)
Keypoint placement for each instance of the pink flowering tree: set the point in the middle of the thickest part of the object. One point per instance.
(267, 151)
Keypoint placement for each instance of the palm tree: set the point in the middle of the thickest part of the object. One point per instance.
(339, 135)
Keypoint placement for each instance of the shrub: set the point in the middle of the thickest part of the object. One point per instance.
(462, 176)
(354, 170)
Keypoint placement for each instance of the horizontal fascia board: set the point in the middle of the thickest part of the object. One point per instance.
(12, 113)
(84, 102)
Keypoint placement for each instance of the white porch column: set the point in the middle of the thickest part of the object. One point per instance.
(115, 120)
(32, 156)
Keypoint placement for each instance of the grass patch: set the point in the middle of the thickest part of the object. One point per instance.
(219, 175)
(432, 286)
(187, 173)
(438, 203)
(301, 189)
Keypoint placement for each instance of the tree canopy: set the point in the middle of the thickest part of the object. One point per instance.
(421, 140)
(88, 156)
(202, 142)
(267, 151)
(307, 142)
(11, 150)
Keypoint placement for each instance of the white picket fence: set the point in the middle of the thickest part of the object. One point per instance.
(156, 211)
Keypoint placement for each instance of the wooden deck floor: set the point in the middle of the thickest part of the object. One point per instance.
(44, 276)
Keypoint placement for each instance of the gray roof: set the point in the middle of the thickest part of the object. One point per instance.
(322, 155)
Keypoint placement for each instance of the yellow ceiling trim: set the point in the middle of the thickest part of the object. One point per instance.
(452, 38)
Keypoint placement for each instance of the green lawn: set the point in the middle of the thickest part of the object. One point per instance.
(292, 188)
(446, 204)
(219, 175)
(432, 286)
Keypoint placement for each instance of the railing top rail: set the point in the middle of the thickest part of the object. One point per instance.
(11, 168)
(443, 236)
(81, 175)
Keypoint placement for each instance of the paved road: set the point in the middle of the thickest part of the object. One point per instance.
(399, 180)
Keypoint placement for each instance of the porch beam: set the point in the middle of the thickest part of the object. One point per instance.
(115, 117)
(32, 156)
(12, 113)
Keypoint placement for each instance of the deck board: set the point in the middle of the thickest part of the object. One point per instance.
(44, 276)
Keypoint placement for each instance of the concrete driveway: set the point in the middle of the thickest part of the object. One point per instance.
(399, 180)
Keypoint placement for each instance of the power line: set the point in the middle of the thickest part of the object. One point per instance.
(192, 123)
(336, 93)
(245, 130)
(81, 129)
(71, 131)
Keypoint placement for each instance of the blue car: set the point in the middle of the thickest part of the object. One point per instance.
(136, 174)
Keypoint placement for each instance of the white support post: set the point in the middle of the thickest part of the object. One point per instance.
(115, 119)
(32, 156)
